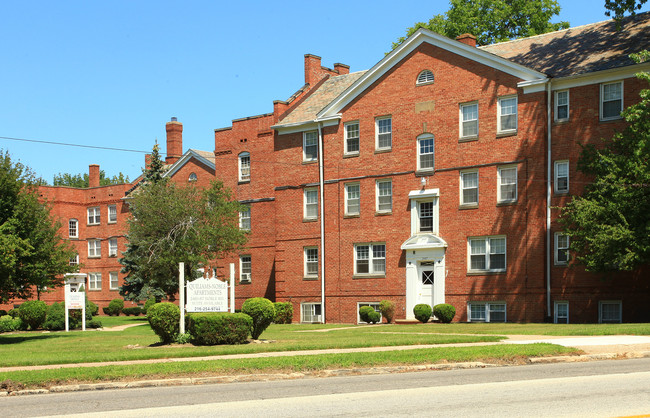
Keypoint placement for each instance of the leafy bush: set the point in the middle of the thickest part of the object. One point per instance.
(33, 313)
(116, 306)
(387, 309)
(374, 317)
(55, 319)
(13, 313)
(94, 323)
(183, 338)
(91, 309)
(444, 312)
(135, 310)
(283, 312)
(364, 313)
(422, 312)
(107, 311)
(164, 320)
(148, 304)
(3, 312)
(262, 312)
(219, 328)
(8, 324)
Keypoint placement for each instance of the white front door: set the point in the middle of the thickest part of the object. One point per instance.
(426, 283)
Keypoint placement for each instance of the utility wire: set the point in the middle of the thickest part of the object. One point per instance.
(76, 145)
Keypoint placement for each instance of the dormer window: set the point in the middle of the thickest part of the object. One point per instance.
(192, 177)
(425, 77)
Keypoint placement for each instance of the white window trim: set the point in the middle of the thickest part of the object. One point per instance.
(96, 215)
(110, 280)
(96, 248)
(245, 277)
(374, 305)
(112, 253)
(304, 203)
(76, 260)
(242, 218)
(377, 119)
(377, 196)
(76, 228)
(600, 311)
(557, 249)
(314, 318)
(305, 269)
(371, 258)
(346, 200)
(94, 281)
(555, 311)
(241, 177)
(461, 184)
(507, 167)
(507, 131)
(602, 97)
(345, 137)
(304, 146)
(192, 177)
(423, 83)
(487, 310)
(419, 154)
(556, 178)
(487, 254)
(556, 105)
(109, 214)
(460, 120)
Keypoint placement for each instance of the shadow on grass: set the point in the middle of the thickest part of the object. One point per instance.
(28, 336)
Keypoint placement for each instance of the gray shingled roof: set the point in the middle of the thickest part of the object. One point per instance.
(307, 110)
(583, 49)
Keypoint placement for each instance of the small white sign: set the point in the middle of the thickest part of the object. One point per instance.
(207, 295)
(75, 300)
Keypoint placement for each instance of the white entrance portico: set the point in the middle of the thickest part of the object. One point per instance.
(425, 253)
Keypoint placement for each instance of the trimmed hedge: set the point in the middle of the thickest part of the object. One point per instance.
(91, 309)
(444, 312)
(164, 320)
(365, 313)
(262, 312)
(422, 312)
(56, 318)
(135, 310)
(33, 313)
(148, 304)
(116, 306)
(387, 309)
(283, 312)
(219, 328)
(9, 323)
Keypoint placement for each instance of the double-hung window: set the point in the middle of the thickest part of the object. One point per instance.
(370, 259)
(74, 261)
(507, 114)
(561, 313)
(73, 228)
(244, 167)
(487, 312)
(561, 105)
(112, 247)
(245, 218)
(352, 199)
(468, 120)
(94, 281)
(426, 149)
(561, 180)
(310, 312)
(561, 249)
(311, 203)
(610, 311)
(311, 262)
(245, 268)
(93, 216)
(487, 254)
(425, 214)
(310, 146)
(352, 138)
(507, 178)
(469, 187)
(94, 248)
(384, 133)
(611, 100)
(384, 196)
(113, 283)
(112, 214)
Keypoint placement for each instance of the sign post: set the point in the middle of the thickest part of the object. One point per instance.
(232, 287)
(74, 297)
(181, 294)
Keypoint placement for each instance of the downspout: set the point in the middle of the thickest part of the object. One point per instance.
(321, 201)
(549, 186)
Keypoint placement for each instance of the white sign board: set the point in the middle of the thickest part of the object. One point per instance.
(207, 295)
(75, 300)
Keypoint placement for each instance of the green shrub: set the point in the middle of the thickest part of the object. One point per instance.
(219, 328)
(33, 313)
(116, 306)
(55, 319)
(13, 313)
(422, 312)
(107, 311)
(373, 317)
(94, 323)
(3, 312)
(444, 312)
(7, 323)
(148, 304)
(262, 312)
(387, 309)
(283, 312)
(364, 313)
(135, 310)
(91, 309)
(164, 320)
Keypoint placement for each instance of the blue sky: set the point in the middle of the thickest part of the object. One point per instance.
(111, 74)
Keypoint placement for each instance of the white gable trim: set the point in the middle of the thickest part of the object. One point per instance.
(420, 36)
(598, 77)
(185, 158)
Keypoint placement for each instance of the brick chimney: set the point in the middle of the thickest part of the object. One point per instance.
(174, 141)
(341, 68)
(312, 69)
(467, 39)
(93, 175)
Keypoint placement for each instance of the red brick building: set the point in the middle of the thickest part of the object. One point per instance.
(434, 176)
